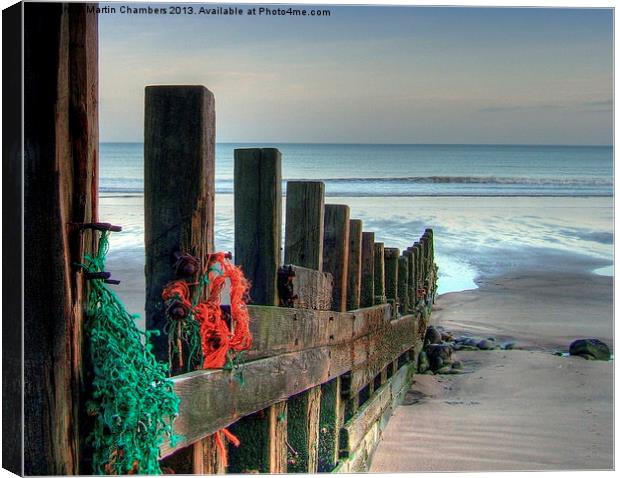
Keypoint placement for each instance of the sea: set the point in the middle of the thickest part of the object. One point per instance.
(494, 208)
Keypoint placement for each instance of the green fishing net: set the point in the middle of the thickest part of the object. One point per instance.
(133, 402)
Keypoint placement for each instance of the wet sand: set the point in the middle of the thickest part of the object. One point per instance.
(516, 409)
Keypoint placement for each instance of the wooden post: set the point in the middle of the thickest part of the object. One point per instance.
(409, 254)
(379, 273)
(258, 229)
(258, 220)
(336, 252)
(418, 270)
(367, 289)
(303, 246)
(304, 224)
(336, 262)
(390, 255)
(179, 190)
(60, 187)
(403, 284)
(355, 264)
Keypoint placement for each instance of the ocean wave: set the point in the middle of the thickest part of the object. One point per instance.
(526, 181)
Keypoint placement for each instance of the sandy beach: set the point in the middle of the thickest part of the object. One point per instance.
(513, 409)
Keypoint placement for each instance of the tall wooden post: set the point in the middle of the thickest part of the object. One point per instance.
(354, 269)
(60, 187)
(367, 289)
(303, 246)
(336, 262)
(390, 255)
(379, 258)
(409, 254)
(258, 230)
(336, 252)
(179, 190)
(403, 283)
(258, 220)
(304, 224)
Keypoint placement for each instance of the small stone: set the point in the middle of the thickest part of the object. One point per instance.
(485, 344)
(590, 349)
(457, 364)
(433, 336)
(429, 372)
(444, 370)
(508, 345)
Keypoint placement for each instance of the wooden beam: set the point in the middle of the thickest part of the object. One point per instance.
(390, 255)
(303, 244)
(179, 189)
(354, 268)
(179, 192)
(403, 284)
(379, 258)
(273, 379)
(60, 187)
(336, 251)
(303, 288)
(385, 345)
(367, 289)
(258, 220)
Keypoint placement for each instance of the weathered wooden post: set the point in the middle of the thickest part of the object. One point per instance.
(60, 105)
(355, 264)
(258, 220)
(403, 283)
(258, 231)
(303, 246)
(390, 255)
(417, 250)
(379, 256)
(179, 189)
(336, 252)
(304, 224)
(336, 262)
(409, 254)
(367, 286)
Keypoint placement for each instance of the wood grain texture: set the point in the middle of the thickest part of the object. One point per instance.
(336, 251)
(354, 268)
(303, 243)
(303, 288)
(403, 284)
(278, 437)
(179, 188)
(258, 220)
(390, 255)
(379, 257)
(385, 345)
(367, 287)
(60, 160)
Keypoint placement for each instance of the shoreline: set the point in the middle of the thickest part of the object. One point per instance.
(513, 410)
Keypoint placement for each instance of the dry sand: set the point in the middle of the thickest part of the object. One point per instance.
(518, 409)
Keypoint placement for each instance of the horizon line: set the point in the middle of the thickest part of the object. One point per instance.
(390, 144)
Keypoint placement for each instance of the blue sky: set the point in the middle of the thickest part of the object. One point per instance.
(372, 74)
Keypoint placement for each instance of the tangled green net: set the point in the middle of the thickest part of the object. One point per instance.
(133, 401)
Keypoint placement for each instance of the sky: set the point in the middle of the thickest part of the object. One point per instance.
(371, 74)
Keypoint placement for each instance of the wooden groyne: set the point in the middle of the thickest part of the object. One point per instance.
(337, 322)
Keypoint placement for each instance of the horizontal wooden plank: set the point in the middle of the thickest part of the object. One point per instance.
(278, 330)
(354, 431)
(384, 345)
(362, 433)
(304, 355)
(304, 288)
